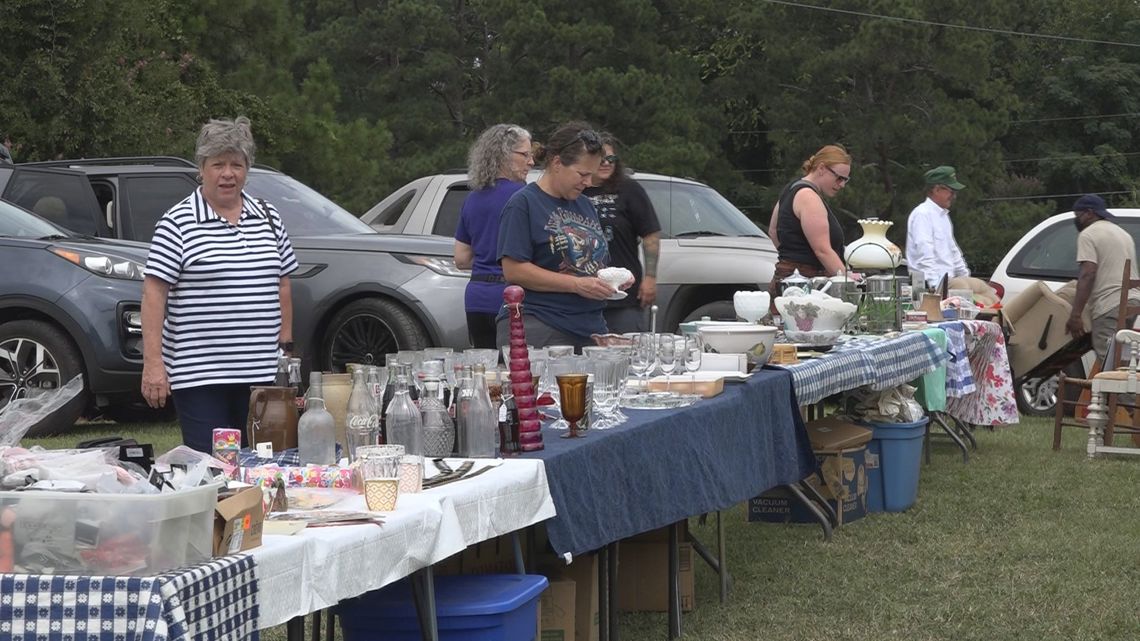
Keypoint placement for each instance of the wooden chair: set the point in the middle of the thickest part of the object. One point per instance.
(1117, 414)
(1106, 386)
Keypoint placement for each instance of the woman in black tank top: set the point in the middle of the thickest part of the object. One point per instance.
(807, 235)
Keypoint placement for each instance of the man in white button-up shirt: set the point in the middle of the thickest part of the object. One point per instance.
(930, 246)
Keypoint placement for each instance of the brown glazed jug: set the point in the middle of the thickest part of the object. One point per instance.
(272, 417)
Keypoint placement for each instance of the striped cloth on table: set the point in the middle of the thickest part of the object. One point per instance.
(959, 376)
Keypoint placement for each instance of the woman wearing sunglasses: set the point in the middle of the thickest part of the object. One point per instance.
(551, 243)
(807, 235)
(627, 216)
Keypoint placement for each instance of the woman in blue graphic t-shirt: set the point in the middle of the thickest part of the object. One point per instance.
(551, 243)
(496, 166)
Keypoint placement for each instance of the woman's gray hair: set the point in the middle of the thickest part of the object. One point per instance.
(491, 152)
(218, 137)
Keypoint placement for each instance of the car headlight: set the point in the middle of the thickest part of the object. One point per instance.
(438, 264)
(101, 264)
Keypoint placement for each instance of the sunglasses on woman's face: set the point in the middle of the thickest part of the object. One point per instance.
(840, 178)
(610, 159)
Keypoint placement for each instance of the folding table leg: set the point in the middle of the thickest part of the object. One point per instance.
(674, 583)
(423, 594)
(604, 613)
(937, 417)
(612, 573)
(824, 520)
(516, 546)
(722, 557)
(295, 629)
(965, 431)
(820, 502)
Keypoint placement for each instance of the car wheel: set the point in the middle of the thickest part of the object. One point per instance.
(35, 357)
(365, 330)
(721, 310)
(1038, 396)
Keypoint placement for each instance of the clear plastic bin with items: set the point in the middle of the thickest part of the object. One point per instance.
(106, 534)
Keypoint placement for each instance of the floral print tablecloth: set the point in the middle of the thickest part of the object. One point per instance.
(992, 401)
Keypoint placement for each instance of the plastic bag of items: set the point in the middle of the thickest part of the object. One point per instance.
(895, 405)
(94, 470)
(184, 467)
(17, 417)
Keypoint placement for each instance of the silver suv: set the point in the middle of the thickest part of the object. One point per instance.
(709, 248)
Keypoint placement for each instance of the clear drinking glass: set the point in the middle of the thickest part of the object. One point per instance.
(694, 348)
(643, 358)
(610, 371)
(667, 356)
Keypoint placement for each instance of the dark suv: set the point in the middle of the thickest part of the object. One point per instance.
(69, 305)
(358, 295)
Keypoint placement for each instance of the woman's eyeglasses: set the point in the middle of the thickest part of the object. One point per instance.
(610, 159)
(843, 180)
(529, 155)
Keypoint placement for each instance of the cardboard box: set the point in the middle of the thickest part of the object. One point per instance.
(238, 520)
(643, 574)
(584, 572)
(556, 611)
(844, 486)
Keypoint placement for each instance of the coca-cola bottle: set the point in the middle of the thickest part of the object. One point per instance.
(296, 383)
(362, 424)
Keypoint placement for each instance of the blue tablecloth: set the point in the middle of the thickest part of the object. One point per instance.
(212, 601)
(879, 363)
(663, 466)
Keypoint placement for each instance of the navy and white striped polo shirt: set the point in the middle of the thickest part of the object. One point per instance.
(223, 313)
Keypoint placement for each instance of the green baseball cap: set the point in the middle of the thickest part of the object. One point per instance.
(944, 175)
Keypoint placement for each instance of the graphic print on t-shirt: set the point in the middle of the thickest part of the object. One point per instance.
(578, 241)
(606, 206)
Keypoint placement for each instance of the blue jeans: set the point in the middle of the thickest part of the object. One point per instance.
(201, 409)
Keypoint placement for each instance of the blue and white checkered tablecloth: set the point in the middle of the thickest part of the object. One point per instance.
(879, 363)
(212, 601)
(959, 376)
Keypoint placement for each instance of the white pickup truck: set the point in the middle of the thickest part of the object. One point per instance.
(709, 248)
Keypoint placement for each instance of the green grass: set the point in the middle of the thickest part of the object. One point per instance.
(1021, 543)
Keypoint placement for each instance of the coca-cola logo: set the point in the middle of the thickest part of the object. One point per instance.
(359, 421)
(374, 421)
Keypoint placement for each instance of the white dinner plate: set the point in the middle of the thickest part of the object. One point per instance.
(618, 295)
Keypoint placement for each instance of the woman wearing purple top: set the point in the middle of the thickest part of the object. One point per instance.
(497, 168)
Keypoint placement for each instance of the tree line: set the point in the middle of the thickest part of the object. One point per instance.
(1034, 101)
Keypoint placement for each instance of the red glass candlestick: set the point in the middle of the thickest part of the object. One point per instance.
(529, 436)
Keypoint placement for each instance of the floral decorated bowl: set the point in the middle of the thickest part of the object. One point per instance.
(814, 312)
(751, 306)
(740, 338)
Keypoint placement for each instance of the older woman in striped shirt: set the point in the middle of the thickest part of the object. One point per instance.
(216, 304)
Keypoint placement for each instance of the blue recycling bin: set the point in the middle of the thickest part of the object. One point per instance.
(894, 460)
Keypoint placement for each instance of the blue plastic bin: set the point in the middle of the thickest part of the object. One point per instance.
(894, 460)
(484, 607)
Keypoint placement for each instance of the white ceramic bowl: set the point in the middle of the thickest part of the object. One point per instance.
(814, 312)
(751, 306)
(748, 338)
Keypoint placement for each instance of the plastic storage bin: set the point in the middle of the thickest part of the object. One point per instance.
(484, 607)
(894, 460)
(119, 534)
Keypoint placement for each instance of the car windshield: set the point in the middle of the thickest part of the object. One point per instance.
(15, 222)
(304, 211)
(688, 210)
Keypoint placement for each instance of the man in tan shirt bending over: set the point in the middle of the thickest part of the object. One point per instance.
(1102, 248)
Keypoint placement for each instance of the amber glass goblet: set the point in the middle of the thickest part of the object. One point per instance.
(572, 398)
